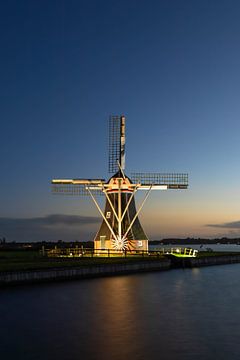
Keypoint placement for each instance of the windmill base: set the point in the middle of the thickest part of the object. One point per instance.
(134, 245)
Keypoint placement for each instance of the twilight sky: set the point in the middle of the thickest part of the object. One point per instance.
(171, 67)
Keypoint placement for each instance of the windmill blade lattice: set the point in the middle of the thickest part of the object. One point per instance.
(171, 180)
(116, 143)
(70, 189)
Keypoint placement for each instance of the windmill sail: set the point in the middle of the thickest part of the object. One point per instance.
(170, 180)
(116, 143)
(77, 186)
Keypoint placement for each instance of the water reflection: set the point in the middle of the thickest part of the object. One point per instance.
(180, 314)
(119, 318)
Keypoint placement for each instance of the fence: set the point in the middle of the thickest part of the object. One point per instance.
(84, 252)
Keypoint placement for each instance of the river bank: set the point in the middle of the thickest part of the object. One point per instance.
(100, 270)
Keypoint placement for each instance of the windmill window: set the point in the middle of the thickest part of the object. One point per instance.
(108, 215)
(102, 241)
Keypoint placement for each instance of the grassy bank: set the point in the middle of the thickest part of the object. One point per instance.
(33, 260)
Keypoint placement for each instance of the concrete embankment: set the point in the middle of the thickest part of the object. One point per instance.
(214, 260)
(91, 271)
(204, 261)
(81, 272)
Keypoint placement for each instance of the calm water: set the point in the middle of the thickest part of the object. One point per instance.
(178, 314)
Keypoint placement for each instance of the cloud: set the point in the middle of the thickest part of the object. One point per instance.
(228, 225)
(69, 220)
(49, 228)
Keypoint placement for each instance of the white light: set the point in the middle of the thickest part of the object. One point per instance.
(154, 187)
(120, 243)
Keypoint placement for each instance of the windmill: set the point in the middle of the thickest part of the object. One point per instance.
(120, 228)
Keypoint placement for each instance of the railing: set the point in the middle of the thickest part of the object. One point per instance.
(182, 252)
(84, 252)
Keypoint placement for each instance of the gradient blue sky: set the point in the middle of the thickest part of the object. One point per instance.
(171, 67)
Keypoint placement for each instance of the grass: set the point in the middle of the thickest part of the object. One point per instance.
(216, 253)
(33, 260)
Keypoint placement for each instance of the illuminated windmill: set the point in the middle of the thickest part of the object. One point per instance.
(120, 228)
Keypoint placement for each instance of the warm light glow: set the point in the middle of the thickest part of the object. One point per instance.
(120, 243)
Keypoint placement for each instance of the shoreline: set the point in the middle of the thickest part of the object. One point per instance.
(10, 278)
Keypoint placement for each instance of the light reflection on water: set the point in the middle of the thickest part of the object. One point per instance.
(178, 314)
